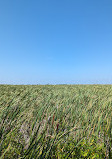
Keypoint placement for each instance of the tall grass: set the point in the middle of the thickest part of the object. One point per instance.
(62, 121)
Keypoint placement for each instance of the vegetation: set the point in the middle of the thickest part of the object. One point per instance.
(58, 121)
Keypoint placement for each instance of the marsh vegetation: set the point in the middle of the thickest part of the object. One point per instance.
(55, 121)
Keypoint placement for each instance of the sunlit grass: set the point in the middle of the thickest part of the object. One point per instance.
(62, 121)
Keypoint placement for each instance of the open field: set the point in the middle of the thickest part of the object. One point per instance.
(58, 121)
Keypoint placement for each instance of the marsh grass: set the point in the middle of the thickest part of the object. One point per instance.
(62, 121)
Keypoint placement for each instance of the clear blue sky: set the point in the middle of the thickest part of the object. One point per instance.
(55, 41)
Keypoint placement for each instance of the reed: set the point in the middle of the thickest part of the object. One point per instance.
(60, 121)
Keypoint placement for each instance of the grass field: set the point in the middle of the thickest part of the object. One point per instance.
(55, 121)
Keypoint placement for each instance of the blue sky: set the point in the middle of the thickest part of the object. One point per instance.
(55, 41)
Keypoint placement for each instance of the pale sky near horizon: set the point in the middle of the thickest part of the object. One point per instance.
(56, 42)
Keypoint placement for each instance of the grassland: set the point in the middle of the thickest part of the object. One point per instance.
(58, 121)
